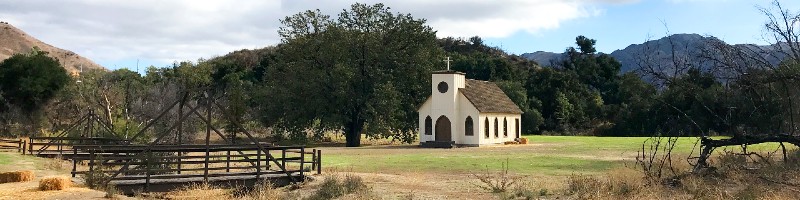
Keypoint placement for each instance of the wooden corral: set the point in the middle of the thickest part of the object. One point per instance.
(166, 167)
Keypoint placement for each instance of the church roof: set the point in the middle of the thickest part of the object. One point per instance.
(488, 98)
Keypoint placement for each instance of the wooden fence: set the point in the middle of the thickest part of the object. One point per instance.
(62, 146)
(141, 164)
(12, 144)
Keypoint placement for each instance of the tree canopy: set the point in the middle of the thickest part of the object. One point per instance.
(363, 73)
(29, 81)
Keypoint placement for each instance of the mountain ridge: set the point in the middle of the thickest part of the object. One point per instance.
(15, 41)
(686, 46)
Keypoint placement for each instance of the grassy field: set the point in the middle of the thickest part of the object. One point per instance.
(546, 155)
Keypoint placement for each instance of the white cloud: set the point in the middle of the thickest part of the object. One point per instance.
(189, 29)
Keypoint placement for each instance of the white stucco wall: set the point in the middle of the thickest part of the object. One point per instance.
(467, 109)
(500, 138)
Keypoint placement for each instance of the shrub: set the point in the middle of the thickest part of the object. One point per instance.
(111, 192)
(95, 179)
(55, 164)
(496, 183)
(332, 187)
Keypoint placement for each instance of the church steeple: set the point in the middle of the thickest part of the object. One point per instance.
(444, 88)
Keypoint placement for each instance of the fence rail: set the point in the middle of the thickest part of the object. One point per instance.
(12, 144)
(63, 146)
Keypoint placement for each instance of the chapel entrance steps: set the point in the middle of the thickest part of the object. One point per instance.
(438, 144)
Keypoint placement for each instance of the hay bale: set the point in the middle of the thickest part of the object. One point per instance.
(523, 140)
(17, 176)
(55, 183)
(26, 175)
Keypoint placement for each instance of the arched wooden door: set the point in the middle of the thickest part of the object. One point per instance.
(443, 133)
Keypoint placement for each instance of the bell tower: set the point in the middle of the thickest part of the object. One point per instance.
(444, 107)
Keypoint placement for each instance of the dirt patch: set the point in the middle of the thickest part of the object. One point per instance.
(420, 186)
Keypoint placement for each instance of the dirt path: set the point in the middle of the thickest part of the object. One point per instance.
(423, 186)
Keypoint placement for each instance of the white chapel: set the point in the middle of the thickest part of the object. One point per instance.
(466, 112)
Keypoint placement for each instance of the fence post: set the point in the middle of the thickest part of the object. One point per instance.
(19, 146)
(24, 146)
(319, 161)
(91, 162)
(147, 170)
(228, 161)
(74, 161)
(258, 164)
(302, 160)
(313, 159)
(60, 147)
(283, 159)
(30, 146)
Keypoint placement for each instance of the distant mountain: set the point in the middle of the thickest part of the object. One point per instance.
(14, 41)
(688, 48)
(544, 58)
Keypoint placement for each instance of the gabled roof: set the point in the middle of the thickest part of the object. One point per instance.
(488, 98)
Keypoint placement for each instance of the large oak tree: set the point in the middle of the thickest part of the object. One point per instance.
(364, 72)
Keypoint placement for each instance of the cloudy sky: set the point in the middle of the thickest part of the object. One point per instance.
(116, 33)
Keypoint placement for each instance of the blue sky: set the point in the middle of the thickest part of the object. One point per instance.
(117, 33)
(618, 26)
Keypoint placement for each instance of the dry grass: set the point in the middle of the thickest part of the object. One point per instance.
(55, 183)
(262, 191)
(17, 176)
(200, 191)
(737, 178)
(58, 164)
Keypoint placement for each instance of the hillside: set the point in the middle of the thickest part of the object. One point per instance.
(14, 40)
(687, 47)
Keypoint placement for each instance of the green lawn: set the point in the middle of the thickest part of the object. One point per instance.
(5, 159)
(548, 155)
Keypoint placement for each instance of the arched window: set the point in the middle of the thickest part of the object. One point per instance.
(505, 127)
(496, 132)
(516, 124)
(428, 126)
(468, 127)
(486, 127)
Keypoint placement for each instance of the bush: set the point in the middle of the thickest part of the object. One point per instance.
(332, 187)
(496, 183)
(95, 179)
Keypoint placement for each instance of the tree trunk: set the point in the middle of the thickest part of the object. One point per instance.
(352, 133)
(107, 109)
